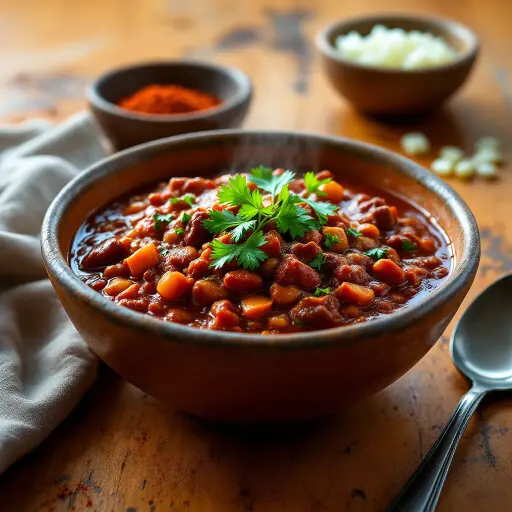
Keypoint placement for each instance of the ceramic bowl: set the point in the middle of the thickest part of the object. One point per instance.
(125, 128)
(379, 90)
(252, 377)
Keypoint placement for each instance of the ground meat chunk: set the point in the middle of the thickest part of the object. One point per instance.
(352, 274)
(384, 218)
(306, 252)
(316, 311)
(293, 271)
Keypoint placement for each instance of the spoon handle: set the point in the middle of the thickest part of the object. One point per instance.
(421, 492)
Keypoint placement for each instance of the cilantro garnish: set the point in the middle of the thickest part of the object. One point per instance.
(163, 251)
(378, 253)
(186, 217)
(313, 184)
(318, 261)
(180, 231)
(408, 246)
(354, 232)
(330, 240)
(283, 210)
(248, 254)
(321, 291)
(159, 218)
(189, 199)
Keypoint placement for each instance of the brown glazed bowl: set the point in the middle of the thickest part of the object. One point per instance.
(125, 128)
(252, 377)
(384, 91)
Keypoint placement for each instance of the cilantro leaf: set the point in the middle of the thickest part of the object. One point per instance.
(318, 261)
(163, 250)
(321, 291)
(220, 221)
(186, 217)
(247, 254)
(238, 233)
(295, 220)
(322, 209)
(224, 220)
(313, 184)
(223, 253)
(180, 231)
(266, 180)
(236, 192)
(160, 218)
(377, 253)
(354, 232)
(330, 240)
(251, 256)
(408, 246)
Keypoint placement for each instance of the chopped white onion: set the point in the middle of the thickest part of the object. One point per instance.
(488, 155)
(486, 170)
(442, 167)
(415, 143)
(395, 48)
(452, 153)
(465, 169)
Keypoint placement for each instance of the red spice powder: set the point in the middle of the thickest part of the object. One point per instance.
(168, 99)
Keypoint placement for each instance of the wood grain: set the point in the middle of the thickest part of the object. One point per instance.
(121, 450)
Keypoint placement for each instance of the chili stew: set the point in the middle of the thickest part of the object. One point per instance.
(264, 252)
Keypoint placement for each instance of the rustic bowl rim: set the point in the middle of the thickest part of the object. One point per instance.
(457, 281)
(445, 24)
(241, 81)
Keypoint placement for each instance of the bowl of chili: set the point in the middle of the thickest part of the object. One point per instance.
(149, 101)
(143, 253)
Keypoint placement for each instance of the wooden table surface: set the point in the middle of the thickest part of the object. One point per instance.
(120, 450)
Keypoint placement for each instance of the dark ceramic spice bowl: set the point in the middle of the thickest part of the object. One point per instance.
(252, 377)
(126, 128)
(386, 91)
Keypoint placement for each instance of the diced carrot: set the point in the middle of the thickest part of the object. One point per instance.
(145, 258)
(174, 285)
(284, 295)
(388, 271)
(340, 234)
(255, 306)
(278, 322)
(334, 191)
(116, 286)
(355, 294)
(369, 230)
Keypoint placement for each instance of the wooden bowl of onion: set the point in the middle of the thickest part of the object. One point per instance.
(397, 64)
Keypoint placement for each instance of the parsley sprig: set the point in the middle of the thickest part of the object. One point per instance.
(377, 253)
(281, 207)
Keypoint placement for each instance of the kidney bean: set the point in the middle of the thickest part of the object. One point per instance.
(197, 268)
(140, 305)
(181, 257)
(242, 281)
(107, 252)
(384, 218)
(208, 291)
(179, 316)
(225, 316)
(269, 267)
(196, 233)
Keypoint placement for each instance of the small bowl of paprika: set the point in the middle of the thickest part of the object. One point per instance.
(145, 102)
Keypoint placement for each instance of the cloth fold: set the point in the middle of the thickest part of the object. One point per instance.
(45, 367)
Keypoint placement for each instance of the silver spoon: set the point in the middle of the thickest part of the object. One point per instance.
(481, 348)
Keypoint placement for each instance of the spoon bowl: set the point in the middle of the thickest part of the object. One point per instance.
(481, 348)
(481, 344)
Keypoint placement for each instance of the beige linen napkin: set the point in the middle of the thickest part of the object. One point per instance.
(45, 367)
